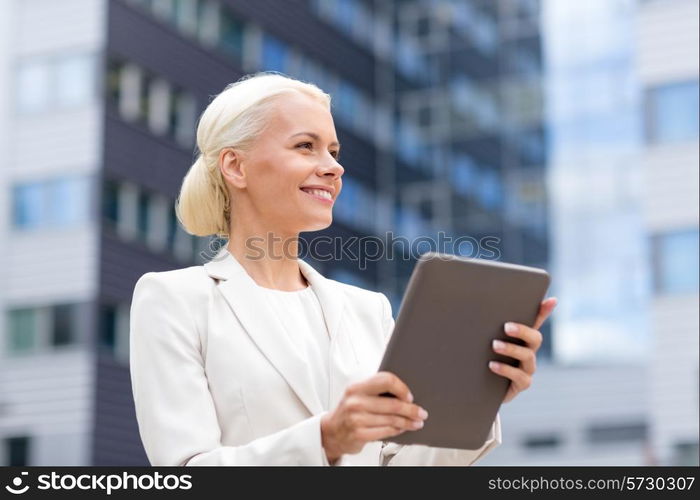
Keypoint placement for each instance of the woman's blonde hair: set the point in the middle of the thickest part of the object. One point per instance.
(234, 118)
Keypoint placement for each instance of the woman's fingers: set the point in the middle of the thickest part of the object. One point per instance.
(382, 382)
(532, 337)
(546, 308)
(385, 406)
(518, 377)
(367, 419)
(394, 406)
(525, 355)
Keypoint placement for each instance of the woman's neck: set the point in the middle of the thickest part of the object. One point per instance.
(269, 258)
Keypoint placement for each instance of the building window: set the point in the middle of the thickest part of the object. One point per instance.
(63, 326)
(523, 62)
(46, 83)
(685, 454)
(75, 80)
(479, 26)
(69, 200)
(310, 71)
(231, 35)
(112, 82)
(409, 59)
(172, 230)
(190, 17)
(149, 218)
(522, 99)
(464, 174)
(114, 331)
(351, 17)
(410, 144)
(125, 82)
(110, 202)
(17, 450)
(28, 205)
(34, 329)
(543, 442)
(142, 217)
(490, 190)
(183, 121)
(475, 107)
(675, 259)
(363, 119)
(159, 106)
(484, 32)
(185, 15)
(142, 97)
(54, 203)
(33, 86)
(22, 330)
(144, 109)
(672, 112)
(604, 434)
(347, 99)
(274, 53)
(108, 327)
(209, 22)
(410, 223)
(183, 246)
(532, 148)
(162, 9)
(356, 205)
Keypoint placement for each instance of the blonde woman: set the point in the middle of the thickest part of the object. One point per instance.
(255, 358)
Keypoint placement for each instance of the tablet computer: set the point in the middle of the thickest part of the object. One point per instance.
(453, 308)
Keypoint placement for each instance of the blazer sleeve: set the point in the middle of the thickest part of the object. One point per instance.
(176, 415)
(417, 454)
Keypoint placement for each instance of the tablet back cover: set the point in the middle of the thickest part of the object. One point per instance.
(441, 344)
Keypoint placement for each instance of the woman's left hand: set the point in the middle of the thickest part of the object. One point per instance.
(521, 377)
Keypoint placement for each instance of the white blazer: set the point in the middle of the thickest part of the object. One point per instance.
(216, 380)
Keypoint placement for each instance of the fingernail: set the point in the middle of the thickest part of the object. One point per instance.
(422, 414)
(510, 327)
(499, 345)
(493, 365)
(410, 397)
(417, 424)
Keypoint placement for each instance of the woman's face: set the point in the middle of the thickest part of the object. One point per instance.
(272, 183)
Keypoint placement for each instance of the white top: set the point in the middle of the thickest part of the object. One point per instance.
(301, 314)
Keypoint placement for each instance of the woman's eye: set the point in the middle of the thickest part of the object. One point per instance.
(335, 154)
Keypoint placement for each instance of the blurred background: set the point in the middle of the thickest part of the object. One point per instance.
(567, 129)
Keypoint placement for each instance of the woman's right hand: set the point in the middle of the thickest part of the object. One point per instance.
(363, 415)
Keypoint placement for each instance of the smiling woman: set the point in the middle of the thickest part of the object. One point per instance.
(255, 358)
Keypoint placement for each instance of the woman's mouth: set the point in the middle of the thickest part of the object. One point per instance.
(319, 194)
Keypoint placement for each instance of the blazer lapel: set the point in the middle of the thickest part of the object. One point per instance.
(248, 304)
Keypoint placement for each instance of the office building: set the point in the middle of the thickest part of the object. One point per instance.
(668, 69)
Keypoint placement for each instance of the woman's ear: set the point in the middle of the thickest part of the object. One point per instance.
(231, 164)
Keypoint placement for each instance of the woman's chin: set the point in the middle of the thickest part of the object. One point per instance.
(317, 224)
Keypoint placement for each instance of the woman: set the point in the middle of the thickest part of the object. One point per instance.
(255, 358)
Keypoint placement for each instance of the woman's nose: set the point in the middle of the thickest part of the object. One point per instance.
(332, 166)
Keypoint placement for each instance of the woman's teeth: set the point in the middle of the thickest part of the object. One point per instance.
(318, 192)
